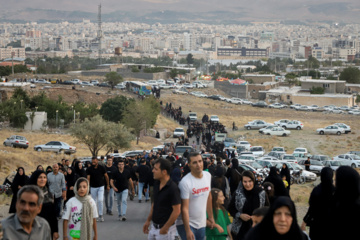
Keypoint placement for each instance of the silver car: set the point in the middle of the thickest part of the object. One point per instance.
(56, 146)
(16, 141)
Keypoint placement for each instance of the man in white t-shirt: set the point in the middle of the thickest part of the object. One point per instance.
(195, 192)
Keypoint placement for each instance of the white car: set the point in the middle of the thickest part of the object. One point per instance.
(42, 81)
(181, 91)
(234, 100)
(198, 84)
(315, 166)
(55, 146)
(214, 118)
(245, 101)
(336, 110)
(309, 176)
(277, 106)
(84, 83)
(165, 86)
(288, 158)
(294, 106)
(281, 122)
(344, 126)
(303, 108)
(261, 130)
(161, 81)
(179, 132)
(94, 82)
(277, 131)
(193, 116)
(246, 157)
(301, 150)
(313, 107)
(257, 151)
(244, 144)
(152, 82)
(351, 160)
(333, 164)
(256, 125)
(188, 85)
(332, 129)
(294, 124)
(76, 81)
(354, 112)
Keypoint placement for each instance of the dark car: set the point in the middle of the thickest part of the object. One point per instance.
(67, 82)
(260, 104)
(104, 84)
(215, 97)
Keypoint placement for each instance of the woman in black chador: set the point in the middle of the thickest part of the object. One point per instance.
(19, 181)
(275, 179)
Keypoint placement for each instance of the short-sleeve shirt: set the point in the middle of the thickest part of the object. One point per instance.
(143, 171)
(164, 200)
(197, 191)
(73, 213)
(110, 171)
(222, 220)
(96, 176)
(121, 180)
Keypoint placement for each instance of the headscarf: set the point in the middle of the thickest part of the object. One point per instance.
(266, 229)
(86, 213)
(80, 172)
(19, 180)
(347, 185)
(37, 168)
(48, 197)
(327, 186)
(49, 169)
(285, 172)
(70, 178)
(275, 179)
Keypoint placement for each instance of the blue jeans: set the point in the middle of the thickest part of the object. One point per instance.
(141, 186)
(121, 198)
(199, 234)
(98, 195)
(109, 200)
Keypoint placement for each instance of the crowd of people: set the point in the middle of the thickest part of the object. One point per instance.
(191, 198)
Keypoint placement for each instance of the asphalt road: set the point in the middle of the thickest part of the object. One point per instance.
(131, 229)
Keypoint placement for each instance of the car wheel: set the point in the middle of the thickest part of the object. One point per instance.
(338, 133)
(298, 128)
(39, 149)
(248, 128)
(353, 165)
(284, 127)
(284, 135)
(321, 132)
(268, 134)
(302, 180)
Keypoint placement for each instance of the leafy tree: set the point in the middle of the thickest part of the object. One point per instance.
(113, 78)
(19, 94)
(96, 134)
(189, 59)
(314, 74)
(5, 71)
(15, 44)
(173, 73)
(317, 90)
(135, 69)
(27, 49)
(141, 115)
(350, 75)
(113, 108)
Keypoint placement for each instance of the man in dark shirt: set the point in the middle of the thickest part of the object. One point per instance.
(142, 173)
(109, 195)
(307, 164)
(120, 183)
(166, 207)
(95, 175)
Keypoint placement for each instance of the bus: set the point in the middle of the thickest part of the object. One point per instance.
(139, 88)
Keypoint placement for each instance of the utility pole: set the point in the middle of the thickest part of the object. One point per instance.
(12, 62)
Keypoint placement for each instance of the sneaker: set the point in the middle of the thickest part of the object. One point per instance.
(110, 213)
(120, 218)
(139, 201)
(124, 218)
(100, 219)
(146, 200)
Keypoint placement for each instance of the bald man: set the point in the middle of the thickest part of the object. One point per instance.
(57, 187)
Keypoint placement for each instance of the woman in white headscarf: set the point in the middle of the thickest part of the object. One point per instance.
(80, 213)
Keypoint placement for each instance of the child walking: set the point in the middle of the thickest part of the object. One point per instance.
(221, 229)
(80, 214)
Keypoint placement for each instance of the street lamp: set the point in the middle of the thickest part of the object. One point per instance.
(56, 123)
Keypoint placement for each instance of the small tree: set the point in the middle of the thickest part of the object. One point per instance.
(173, 73)
(189, 59)
(317, 90)
(96, 134)
(350, 75)
(113, 108)
(113, 78)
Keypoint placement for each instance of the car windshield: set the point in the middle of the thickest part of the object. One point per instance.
(316, 163)
(355, 157)
(255, 165)
(179, 130)
(278, 149)
(256, 149)
(244, 143)
(229, 140)
(299, 150)
(289, 157)
(64, 143)
(335, 163)
(324, 158)
(296, 166)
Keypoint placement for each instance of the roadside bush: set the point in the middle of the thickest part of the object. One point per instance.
(317, 90)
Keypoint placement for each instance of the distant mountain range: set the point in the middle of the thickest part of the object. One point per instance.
(177, 11)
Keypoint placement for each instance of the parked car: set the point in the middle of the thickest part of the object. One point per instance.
(315, 166)
(16, 141)
(181, 91)
(333, 164)
(215, 97)
(330, 130)
(55, 146)
(267, 163)
(261, 130)
(277, 106)
(179, 132)
(84, 83)
(288, 158)
(300, 156)
(257, 151)
(104, 84)
(214, 118)
(246, 157)
(179, 150)
(260, 104)
(294, 106)
(152, 82)
(245, 101)
(234, 100)
(344, 126)
(277, 131)
(256, 125)
(193, 116)
(294, 124)
(244, 144)
(76, 81)
(321, 158)
(303, 108)
(281, 122)
(351, 160)
(94, 82)
(276, 155)
(309, 176)
(278, 149)
(301, 150)
(42, 81)
(313, 107)
(229, 142)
